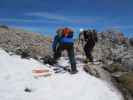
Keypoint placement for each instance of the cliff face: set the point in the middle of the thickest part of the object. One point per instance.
(20, 41)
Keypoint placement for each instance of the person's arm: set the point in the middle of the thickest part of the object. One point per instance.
(54, 43)
(80, 40)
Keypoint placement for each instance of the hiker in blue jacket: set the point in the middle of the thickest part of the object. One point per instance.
(64, 41)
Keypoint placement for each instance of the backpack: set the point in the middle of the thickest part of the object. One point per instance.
(67, 32)
(86, 35)
(67, 36)
(90, 35)
(95, 36)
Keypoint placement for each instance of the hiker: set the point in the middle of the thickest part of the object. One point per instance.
(64, 41)
(88, 38)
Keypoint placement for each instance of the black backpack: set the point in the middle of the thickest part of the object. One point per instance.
(90, 35)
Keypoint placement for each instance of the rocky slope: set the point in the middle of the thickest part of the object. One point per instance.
(28, 44)
(115, 54)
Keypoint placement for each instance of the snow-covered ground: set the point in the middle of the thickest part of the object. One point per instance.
(16, 75)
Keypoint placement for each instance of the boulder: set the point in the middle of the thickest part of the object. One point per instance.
(116, 67)
(127, 81)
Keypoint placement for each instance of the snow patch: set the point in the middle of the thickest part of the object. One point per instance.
(16, 76)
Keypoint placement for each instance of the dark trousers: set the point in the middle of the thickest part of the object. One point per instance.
(70, 52)
(88, 48)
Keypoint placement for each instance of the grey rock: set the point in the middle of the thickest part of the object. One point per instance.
(21, 41)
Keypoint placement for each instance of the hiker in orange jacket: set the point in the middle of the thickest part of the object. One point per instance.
(64, 41)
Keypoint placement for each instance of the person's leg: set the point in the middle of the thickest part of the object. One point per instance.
(90, 57)
(72, 59)
(88, 50)
(57, 54)
(91, 50)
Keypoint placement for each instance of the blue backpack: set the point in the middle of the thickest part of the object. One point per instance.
(67, 39)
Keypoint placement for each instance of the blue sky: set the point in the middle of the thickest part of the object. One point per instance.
(45, 16)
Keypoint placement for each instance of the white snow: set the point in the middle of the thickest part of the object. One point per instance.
(16, 75)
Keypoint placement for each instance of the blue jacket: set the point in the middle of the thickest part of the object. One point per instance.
(55, 42)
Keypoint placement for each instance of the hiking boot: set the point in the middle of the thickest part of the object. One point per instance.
(48, 60)
(73, 71)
